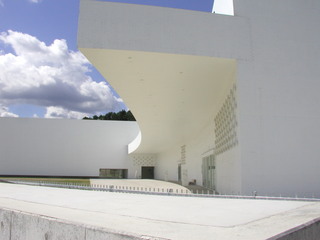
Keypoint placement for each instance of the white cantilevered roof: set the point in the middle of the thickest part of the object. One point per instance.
(172, 96)
(171, 67)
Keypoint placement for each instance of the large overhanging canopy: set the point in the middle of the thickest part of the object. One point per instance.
(172, 67)
(173, 97)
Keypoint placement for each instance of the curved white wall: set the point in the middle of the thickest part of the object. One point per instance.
(58, 147)
(135, 143)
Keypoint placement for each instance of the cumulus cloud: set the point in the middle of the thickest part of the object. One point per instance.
(51, 76)
(58, 112)
(4, 112)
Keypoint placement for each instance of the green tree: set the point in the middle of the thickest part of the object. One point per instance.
(130, 116)
(122, 115)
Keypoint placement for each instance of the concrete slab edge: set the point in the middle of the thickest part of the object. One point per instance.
(18, 225)
(307, 231)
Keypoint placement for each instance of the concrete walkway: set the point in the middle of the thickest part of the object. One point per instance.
(165, 217)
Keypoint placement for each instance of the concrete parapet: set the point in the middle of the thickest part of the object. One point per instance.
(47, 213)
(16, 225)
(309, 231)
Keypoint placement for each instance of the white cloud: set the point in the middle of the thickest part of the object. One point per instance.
(50, 76)
(58, 112)
(223, 7)
(4, 112)
(31, 1)
(35, 1)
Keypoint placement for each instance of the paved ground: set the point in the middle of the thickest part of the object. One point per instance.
(168, 217)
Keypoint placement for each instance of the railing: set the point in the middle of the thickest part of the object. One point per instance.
(157, 191)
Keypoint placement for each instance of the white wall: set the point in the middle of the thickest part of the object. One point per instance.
(228, 172)
(109, 25)
(227, 157)
(167, 164)
(279, 98)
(58, 147)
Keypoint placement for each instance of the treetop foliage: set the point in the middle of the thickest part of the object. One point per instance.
(119, 116)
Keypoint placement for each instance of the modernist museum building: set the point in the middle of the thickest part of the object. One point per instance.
(227, 102)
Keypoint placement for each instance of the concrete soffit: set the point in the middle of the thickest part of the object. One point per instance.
(172, 89)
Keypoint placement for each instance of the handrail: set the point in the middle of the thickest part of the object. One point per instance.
(157, 191)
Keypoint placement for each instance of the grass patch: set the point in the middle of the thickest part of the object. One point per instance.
(75, 181)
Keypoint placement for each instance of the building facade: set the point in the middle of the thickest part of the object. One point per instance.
(228, 102)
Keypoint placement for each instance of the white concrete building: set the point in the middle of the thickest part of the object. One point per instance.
(230, 102)
(62, 147)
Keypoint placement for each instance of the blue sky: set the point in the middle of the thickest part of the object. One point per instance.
(42, 74)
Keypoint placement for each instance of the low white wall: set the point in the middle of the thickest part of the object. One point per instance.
(58, 147)
(19, 225)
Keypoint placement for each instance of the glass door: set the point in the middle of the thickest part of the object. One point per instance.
(208, 171)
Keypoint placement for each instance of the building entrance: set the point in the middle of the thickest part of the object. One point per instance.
(147, 172)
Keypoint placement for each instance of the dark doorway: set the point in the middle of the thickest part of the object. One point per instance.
(147, 172)
(179, 172)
